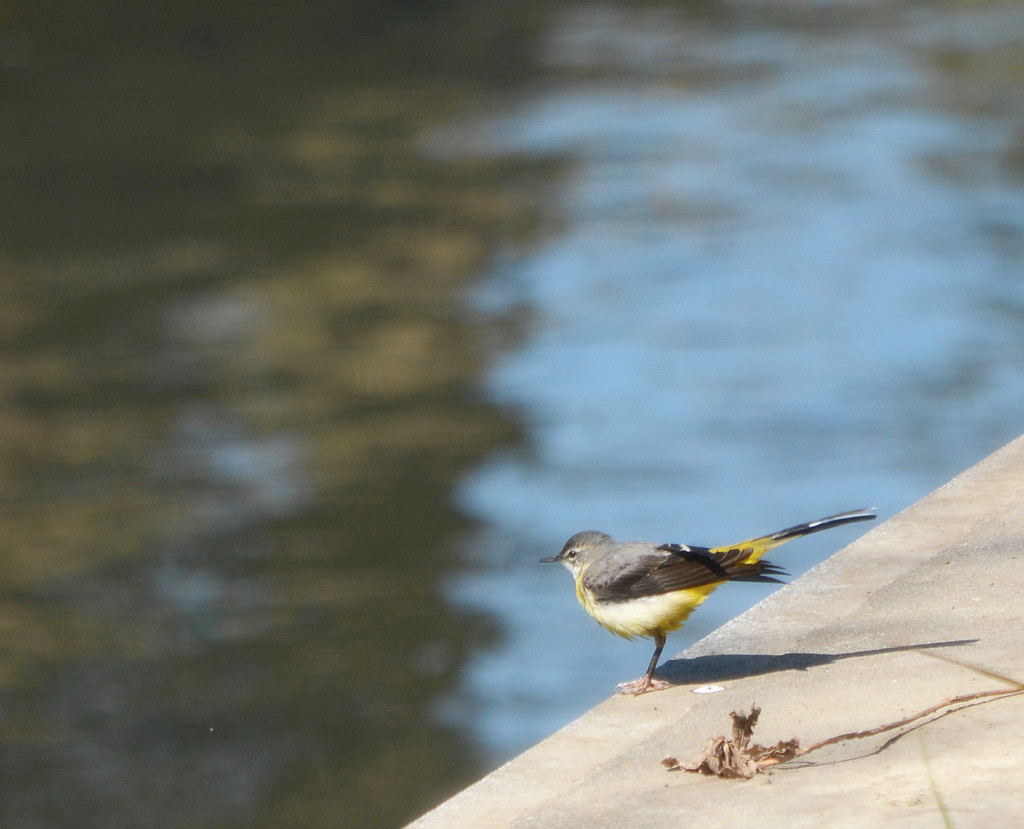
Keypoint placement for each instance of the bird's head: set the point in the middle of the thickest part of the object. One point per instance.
(578, 550)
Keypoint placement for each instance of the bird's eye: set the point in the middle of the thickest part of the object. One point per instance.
(570, 553)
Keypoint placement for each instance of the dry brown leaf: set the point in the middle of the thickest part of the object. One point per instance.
(736, 758)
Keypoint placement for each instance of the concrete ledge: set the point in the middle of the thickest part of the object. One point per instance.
(833, 652)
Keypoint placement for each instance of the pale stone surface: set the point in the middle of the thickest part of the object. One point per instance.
(843, 648)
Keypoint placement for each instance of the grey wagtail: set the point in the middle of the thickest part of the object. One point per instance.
(638, 588)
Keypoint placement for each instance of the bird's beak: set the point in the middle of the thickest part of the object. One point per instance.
(550, 559)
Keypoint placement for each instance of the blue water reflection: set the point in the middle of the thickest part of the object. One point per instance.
(782, 277)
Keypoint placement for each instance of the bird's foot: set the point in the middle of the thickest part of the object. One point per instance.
(642, 686)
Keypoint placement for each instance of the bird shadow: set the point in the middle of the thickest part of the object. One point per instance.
(701, 670)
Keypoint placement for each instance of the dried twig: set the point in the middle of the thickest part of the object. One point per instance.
(947, 703)
(736, 758)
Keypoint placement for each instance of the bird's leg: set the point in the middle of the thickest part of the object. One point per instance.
(647, 682)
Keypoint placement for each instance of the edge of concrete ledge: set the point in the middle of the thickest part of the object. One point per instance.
(844, 647)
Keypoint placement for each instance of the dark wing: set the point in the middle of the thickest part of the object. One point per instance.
(672, 567)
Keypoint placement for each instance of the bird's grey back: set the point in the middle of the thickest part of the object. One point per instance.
(610, 558)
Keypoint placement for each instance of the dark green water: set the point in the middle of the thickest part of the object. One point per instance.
(236, 393)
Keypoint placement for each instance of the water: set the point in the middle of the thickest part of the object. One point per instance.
(783, 279)
(235, 401)
(319, 327)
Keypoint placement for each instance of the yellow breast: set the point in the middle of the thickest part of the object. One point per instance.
(646, 615)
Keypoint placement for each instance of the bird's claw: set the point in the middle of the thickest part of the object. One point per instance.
(641, 686)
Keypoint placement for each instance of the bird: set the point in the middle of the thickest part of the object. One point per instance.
(639, 588)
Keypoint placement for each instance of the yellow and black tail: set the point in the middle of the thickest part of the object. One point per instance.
(757, 547)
